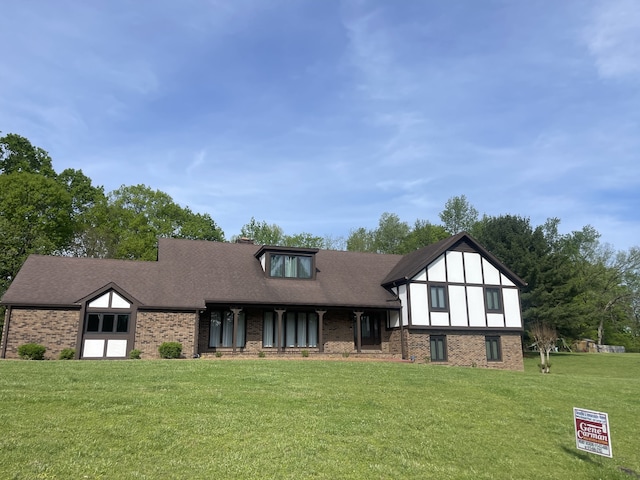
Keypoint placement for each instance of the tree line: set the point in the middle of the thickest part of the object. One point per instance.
(576, 285)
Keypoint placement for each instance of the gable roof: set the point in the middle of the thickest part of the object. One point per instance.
(190, 273)
(411, 264)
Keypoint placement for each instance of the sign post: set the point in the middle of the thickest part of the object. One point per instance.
(592, 431)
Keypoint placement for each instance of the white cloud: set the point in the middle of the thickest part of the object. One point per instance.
(613, 38)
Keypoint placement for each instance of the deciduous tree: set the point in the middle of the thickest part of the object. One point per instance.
(458, 215)
(545, 338)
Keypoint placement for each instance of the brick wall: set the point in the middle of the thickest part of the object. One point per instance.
(154, 328)
(54, 329)
(337, 336)
(468, 349)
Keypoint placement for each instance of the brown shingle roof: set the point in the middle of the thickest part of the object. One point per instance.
(415, 261)
(189, 274)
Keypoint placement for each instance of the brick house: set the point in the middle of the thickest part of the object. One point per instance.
(451, 303)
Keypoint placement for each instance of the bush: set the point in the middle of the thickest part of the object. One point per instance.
(261, 354)
(218, 354)
(31, 351)
(67, 354)
(305, 353)
(170, 350)
(135, 354)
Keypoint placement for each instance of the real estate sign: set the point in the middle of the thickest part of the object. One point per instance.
(592, 431)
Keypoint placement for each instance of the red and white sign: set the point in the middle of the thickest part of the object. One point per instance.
(592, 431)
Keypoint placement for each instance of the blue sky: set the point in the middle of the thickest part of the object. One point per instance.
(321, 115)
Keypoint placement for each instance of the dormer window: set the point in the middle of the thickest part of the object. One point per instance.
(285, 262)
(291, 266)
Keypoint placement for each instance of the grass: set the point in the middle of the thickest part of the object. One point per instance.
(259, 418)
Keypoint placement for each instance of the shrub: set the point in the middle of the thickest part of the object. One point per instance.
(170, 350)
(67, 354)
(261, 354)
(345, 354)
(135, 354)
(218, 354)
(305, 353)
(31, 351)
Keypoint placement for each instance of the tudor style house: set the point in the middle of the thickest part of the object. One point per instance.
(450, 303)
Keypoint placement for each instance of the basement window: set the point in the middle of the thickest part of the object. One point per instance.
(494, 352)
(438, 347)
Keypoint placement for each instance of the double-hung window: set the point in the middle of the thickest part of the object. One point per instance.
(494, 305)
(438, 297)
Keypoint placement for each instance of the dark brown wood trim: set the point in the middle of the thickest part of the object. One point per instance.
(196, 334)
(403, 346)
(358, 315)
(409, 309)
(236, 313)
(320, 314)
(279, 333)
(81, 320)
(5, 331)
(468, 330)
(132, 312)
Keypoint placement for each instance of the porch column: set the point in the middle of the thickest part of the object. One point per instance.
(236, 313)
(358, 331)
(5, 333)
(320, 330)
(196, 334)
(279, 312)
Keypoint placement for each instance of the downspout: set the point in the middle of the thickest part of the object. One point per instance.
(5, 332)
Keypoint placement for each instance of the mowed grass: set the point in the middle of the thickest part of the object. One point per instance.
(197, 419)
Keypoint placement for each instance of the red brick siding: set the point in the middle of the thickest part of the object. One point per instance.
(468, 349)
(54, 329)
(154, 328)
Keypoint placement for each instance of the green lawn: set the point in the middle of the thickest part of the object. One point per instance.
(264, 418)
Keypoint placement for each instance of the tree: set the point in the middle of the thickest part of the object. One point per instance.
(262, 233)
(132, 218)
(458, 215)
(304, 239)
(35, 217)
(544, 338)
(422, 234)
(610, 287)
(548, 273)
(361, 240)
(390, 233)
(17, 154)
(387, 238)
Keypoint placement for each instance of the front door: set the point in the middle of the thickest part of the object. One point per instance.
(370, 326)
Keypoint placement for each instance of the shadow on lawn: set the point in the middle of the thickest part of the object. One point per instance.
(585, 457)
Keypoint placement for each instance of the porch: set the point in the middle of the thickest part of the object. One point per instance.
(253, 331)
